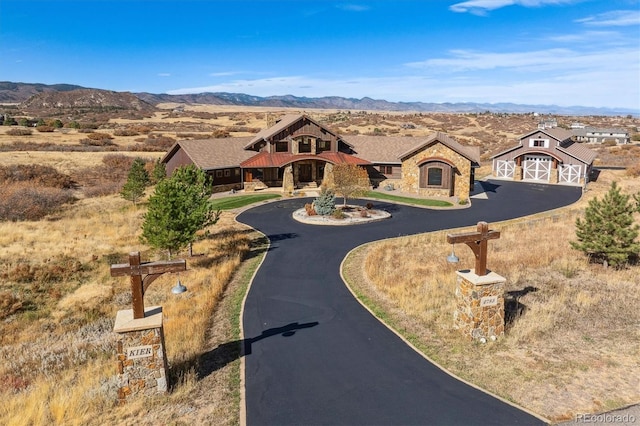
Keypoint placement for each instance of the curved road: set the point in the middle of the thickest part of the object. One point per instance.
(315, 356)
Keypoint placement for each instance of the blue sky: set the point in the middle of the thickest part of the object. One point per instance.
(564, 52)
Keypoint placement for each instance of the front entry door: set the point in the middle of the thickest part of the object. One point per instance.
(305, 173)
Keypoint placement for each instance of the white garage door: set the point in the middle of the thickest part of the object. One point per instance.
(569, 173)
(537, 167)
(505, 169)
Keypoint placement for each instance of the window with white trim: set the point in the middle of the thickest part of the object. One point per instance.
(539, 143)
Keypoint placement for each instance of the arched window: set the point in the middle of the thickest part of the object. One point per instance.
(435, 174)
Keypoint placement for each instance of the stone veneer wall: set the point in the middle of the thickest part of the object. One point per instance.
(146, 375)
(410, 181)
(479, 310)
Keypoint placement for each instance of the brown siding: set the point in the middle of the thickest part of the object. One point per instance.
(225, 176)
(305, 128)
(180, 158)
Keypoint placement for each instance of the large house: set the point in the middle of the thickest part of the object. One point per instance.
(298, 152)
(548, 156)
(596, 135)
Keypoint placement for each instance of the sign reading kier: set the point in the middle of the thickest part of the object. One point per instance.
(139, 352)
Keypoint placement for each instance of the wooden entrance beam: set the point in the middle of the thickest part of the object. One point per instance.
(139, 284)
(477, 242)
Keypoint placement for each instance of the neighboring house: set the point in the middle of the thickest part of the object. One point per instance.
(548, 123)
(594, 135)
(548, 156)
(298, 152)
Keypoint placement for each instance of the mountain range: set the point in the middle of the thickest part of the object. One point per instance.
(31, 95)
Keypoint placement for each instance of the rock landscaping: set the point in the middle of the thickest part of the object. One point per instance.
(343, 215)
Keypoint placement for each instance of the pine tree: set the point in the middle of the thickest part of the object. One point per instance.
(608, 232)
(325, 204)
(137, 181)
(178, 209)
(159, 172)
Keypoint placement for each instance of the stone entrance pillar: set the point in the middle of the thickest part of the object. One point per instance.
(327, 179)
(287, 179)
(479, 310)
(142, 360)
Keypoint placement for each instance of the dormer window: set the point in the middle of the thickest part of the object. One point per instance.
(539, 143)
(282, 146)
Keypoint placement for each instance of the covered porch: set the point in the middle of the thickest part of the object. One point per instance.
(292, 172)
(297, 175)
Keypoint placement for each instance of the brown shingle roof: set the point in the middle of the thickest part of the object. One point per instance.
(230, 152)
(381, 149)
(210, 154)
(469, 152)
(557, 133)
(392, 149)
(284, 122)
(579, 151)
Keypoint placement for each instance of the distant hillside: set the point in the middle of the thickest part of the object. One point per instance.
(86, 99)
(19, 92)
(71, 96)
(336, 102)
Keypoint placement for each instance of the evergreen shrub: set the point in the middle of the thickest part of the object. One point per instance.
(325, 204)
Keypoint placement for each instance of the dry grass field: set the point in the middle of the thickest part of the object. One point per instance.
(571, 346)
(58, 301)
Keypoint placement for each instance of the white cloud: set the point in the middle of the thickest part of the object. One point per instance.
(586, 37)
(558, 60)
(164, 74)
(614, 18)
(481, 7)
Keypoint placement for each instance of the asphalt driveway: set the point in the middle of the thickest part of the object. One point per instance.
(314, 355)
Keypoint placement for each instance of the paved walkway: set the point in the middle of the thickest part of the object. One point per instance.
(314, 355)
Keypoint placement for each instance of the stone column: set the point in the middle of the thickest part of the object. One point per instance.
(142, 361)
(479, 310)
(517, 173)
(327, 179)
(553, 177)
(287, 179)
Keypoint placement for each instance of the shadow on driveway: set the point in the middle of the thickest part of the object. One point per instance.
(228, 352)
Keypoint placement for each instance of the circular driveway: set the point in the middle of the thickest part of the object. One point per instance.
(314, 355)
